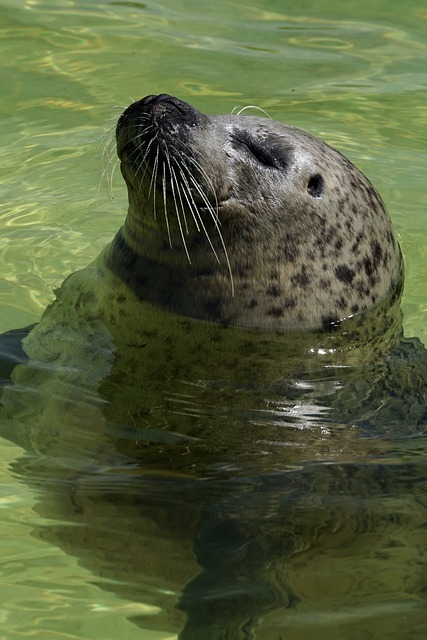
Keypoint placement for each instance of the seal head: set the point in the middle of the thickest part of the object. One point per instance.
(246, 221)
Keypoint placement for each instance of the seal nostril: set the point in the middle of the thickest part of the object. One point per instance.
(165, 106)
(147, 99)
(316, 186)
(158, 98)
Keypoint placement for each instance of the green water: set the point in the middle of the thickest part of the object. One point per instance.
(354, 75)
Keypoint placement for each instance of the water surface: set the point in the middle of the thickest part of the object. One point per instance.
(356, 76)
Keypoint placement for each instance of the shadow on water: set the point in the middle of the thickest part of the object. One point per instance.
(245, 484)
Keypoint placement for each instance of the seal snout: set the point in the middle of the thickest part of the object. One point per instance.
(161, 110)
(166, 106)
(155, 127)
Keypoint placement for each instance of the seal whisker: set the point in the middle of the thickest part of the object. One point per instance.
(153, 181)
(208, 181)
(144, 158)
(108, 136)
(109, 158)
(179, 190)
(214, 216)
(118, 107)
(250, 106)
(197, 217)
(187, 194)
(140, 146)
(197, 165)
(143, 133)
(165, 208)
(111, 176)
(174, 183)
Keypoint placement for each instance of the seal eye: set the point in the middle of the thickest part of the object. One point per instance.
(261, 155)
(316, 186)
(259, 152)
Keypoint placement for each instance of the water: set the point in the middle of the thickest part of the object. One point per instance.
(84, 555)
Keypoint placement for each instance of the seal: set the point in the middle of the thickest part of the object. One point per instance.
(247, 221)
(235, 222)
(195, 402)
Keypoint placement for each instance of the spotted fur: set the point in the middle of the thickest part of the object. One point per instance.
(246, 221)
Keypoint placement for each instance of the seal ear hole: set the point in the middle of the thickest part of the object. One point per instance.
(316, 186)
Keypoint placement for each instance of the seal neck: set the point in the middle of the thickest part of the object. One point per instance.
(166, 279)
(204, 294)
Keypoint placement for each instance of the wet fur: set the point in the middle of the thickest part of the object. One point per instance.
(269, 227)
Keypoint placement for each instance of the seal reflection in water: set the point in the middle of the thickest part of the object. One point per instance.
(220, 399)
